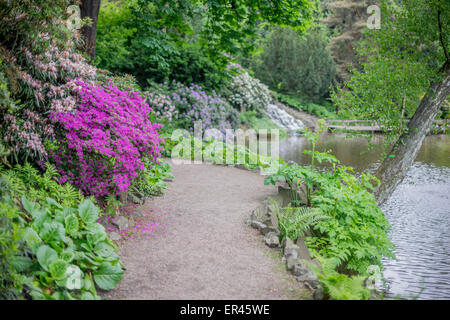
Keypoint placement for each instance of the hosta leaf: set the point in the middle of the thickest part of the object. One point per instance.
(107, 276)
(31, 237)
(87, 296)
(103, 249)
(29, 206)
(45, 256)
(72, 225)
(88, 212)
(58, 269)
(53, 231)
(67, 256)
(52, 202)
(95, 228)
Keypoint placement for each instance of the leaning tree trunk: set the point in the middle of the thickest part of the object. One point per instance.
(90, 8)
(393, 169)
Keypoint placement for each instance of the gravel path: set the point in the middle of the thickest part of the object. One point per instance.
(205, 250)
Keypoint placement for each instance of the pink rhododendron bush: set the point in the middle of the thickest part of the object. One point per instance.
(102, 143)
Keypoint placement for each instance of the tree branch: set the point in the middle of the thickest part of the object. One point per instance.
(441, 37)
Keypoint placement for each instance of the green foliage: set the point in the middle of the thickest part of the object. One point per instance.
(356, 232)
(401, 60)
(339, 286)
(10, 248)
(151, 181)
(294, 222)
(26, 180)
(219, 152)
(66, 247)
(131, 39)
(52, 245)
(324, 110)
(298, 65)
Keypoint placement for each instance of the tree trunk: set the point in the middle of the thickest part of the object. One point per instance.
(393, 169)
(90, 8)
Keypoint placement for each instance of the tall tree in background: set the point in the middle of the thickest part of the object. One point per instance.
(228, 22)
(90, 9)
(346, 19)
(408, 64)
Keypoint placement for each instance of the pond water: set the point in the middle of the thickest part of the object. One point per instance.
(418, 211)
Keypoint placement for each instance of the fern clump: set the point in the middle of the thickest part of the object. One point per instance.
(294, 222)
(27, 180)
(339, 286)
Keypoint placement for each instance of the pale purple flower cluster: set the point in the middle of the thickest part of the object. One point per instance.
(104, 139)
(193, 104)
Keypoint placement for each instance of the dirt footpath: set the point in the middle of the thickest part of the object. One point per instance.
(205, 249)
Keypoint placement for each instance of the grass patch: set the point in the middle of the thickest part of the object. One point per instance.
(324, 110)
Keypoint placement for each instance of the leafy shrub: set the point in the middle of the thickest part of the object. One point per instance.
(10, 247)
(293, 222)
(150, 182)
(355, 233)
(324, 111)
(130, 40)
(295, 64)
(193, 104)
(41, 63)
(63, 251)
(26, 180)
(69, 251)
(340, 286)
(102, 144)
(247, 93)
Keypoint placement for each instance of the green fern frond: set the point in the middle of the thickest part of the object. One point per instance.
(295, 221)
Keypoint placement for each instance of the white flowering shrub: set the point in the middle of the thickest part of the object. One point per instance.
(247, 93)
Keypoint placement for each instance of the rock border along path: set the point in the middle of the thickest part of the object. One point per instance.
(206, 250)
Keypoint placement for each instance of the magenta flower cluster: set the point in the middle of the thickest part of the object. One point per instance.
(104, 139)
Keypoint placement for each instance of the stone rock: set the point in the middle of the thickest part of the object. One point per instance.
(272, 239)
(114, 236)
(135, 199)
(168, 179)
(290, 250)
(123, 197)
(318, 294)
(305, 274)
(303, 250)
(258, 225)
(290, 263)
(121, 222)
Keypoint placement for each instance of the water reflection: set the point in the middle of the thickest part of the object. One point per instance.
(418, 210)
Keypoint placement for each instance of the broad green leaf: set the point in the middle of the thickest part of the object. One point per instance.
(45, 256)
(72, 225)
(67, 256)
(103, 249)
(87, 296)
(88, 212)
(95, 228)
(107, 276)
(52, 202)
(31, 237)
(29, 206)
(53, 231)
(58, 269)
